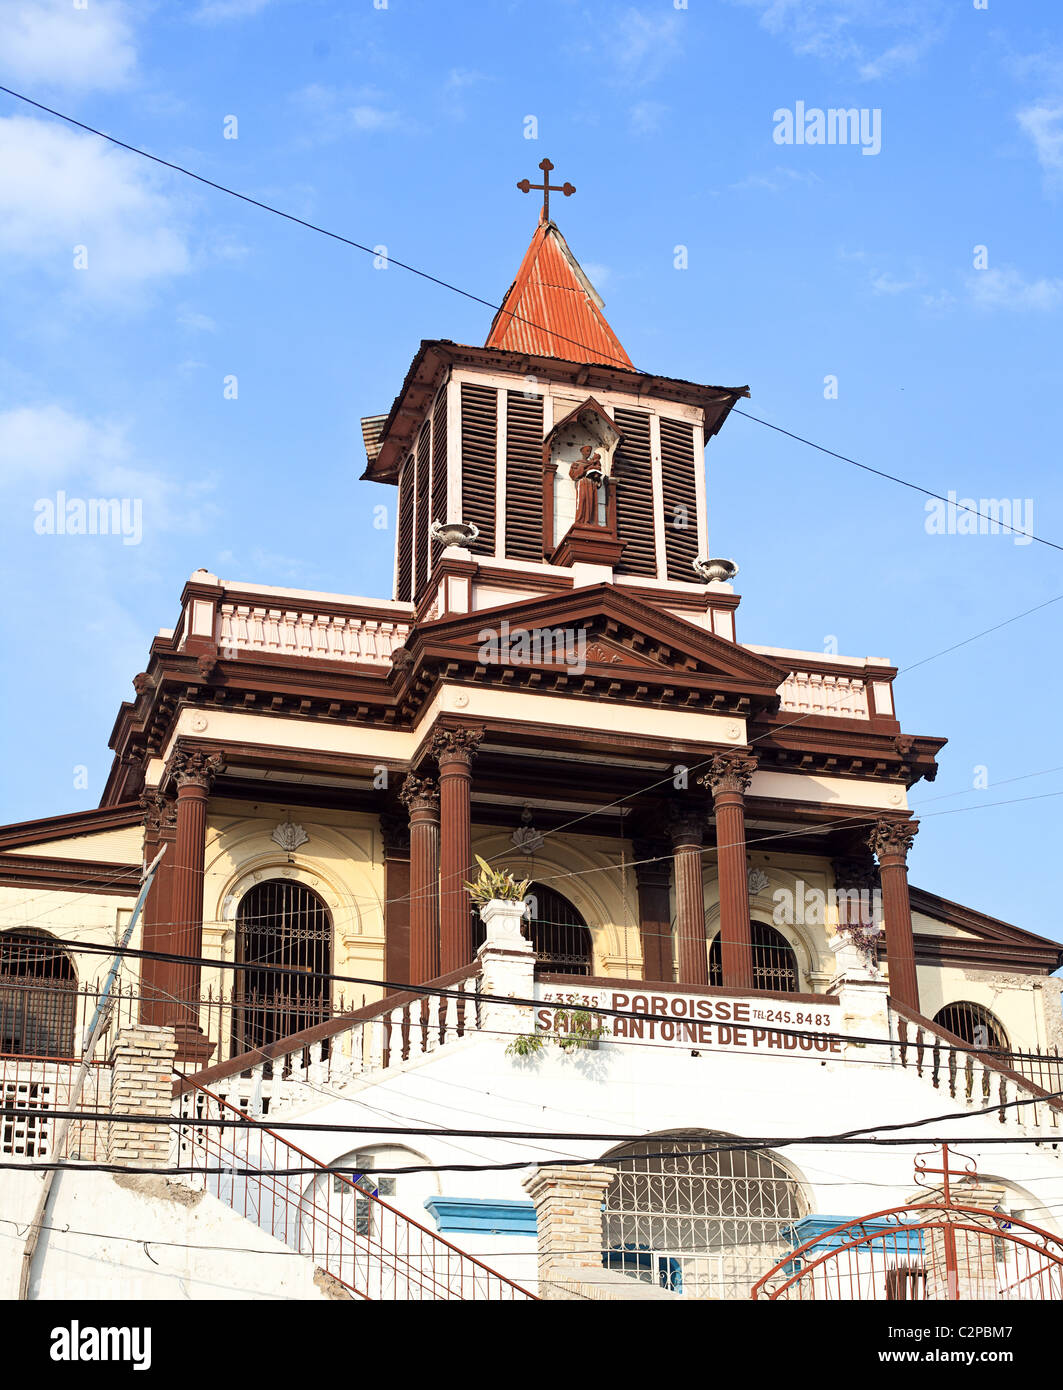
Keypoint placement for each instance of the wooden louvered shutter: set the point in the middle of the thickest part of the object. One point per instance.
(633, 470)
(678, 469)
(439, 457)
(404, 571)
(420, 573)
(479, 434)
(524, 476)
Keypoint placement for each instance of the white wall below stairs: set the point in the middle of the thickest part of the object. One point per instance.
(137, 1237)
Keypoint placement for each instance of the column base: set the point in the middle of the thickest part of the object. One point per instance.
(192, 1045)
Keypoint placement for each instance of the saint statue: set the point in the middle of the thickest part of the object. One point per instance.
(586, 473)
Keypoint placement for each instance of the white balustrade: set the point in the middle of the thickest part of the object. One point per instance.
(819, 692)
(297, 632)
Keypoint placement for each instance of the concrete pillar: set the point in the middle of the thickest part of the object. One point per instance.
(160, 826)
(728, 779)
(141, 1084)
(686, 825)
(569, 1224)
(420, 796)
(653, 877)
(507, 969)
(891, 839)
(193, 770)
(454, 750)
(395, 835)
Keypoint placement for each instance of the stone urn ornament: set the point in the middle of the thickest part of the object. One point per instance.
(714, 571)
(453, 532)
(856, 949)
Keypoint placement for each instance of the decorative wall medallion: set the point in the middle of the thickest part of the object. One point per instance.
(289, 836)
(199, 723)
(896, 798)
(526, 838)
(734, 731)
(461, 700)
(758, 881)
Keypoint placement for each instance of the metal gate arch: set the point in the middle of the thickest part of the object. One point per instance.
(939, 1249)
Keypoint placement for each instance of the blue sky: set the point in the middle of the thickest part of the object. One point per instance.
(406, 126)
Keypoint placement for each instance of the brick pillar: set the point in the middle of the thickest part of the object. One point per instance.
(141, 1084)
(890, 839)
(568, 1216)
(454, 750)
(193, 771)
(395, 834)
(686, 825)
(420, 796)
(653, 877)
(728, 779)
(156, 976)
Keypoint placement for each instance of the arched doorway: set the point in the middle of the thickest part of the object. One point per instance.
(702, 1220)
(38, 996)
(774, 960)
(974, 1024)
(281, 923)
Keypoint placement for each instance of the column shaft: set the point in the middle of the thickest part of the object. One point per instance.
(692, 957)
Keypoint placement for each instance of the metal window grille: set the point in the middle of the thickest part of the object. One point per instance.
(281, 923)
(703, 1224)
(973, 1023)
(38, 988)
(774, 961)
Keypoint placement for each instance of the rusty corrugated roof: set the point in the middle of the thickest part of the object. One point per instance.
(553, 310)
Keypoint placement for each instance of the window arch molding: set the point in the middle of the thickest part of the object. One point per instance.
(789, 936)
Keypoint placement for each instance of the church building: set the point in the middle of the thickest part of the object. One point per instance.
(718, 937)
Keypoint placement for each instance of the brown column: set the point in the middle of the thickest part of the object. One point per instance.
(728, 779)
(420, 796)
(160, 822)
(454, 750)
(890, 839)
(194, 772)
(653, 876)
(687, 833)
(395, 833)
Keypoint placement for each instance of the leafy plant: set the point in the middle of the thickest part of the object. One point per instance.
(495, 883)
(572, 1028)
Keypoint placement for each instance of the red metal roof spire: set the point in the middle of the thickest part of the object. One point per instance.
(552, 309)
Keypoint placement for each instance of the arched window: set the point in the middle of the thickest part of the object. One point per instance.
(558, 932)
(703, 1221)
(973, 1023)
(38, 996)
(284, 923)
(774, 961)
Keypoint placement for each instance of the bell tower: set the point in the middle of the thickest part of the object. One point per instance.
(545, 460)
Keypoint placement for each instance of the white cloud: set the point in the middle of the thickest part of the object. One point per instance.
(1043, 124)
(53, 43)
(850, 31)
(217, 11)
(60, 190)
(642, 46)
(778, 179)
(334, 113)
(646, 117)
(50, 447)
(884, 283)
(1006, 288)
(195, 322)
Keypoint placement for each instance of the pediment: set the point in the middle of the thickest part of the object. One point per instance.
(615, 632)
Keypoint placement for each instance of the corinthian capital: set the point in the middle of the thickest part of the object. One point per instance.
(892, 837)
(419, 793)
(160, 812)
(729, 772)
(192, 767)
(460, 743)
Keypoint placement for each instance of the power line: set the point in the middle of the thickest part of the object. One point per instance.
(487, 303)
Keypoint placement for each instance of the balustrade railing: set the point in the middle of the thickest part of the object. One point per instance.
(819, 692)
(44, 1086)
(981, 1078)
(369, 1246)
(301, 631)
